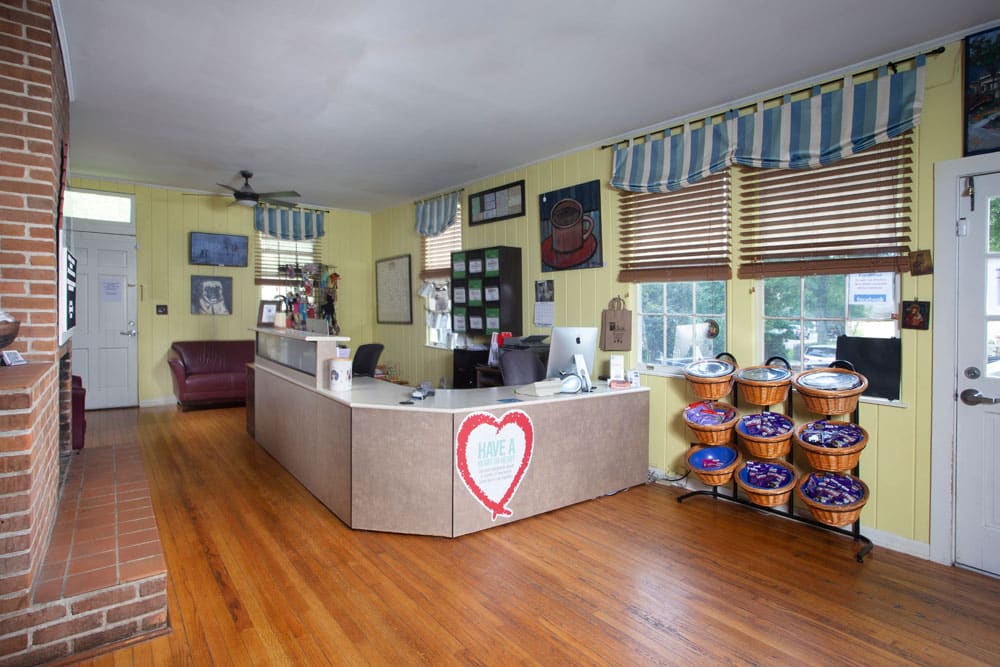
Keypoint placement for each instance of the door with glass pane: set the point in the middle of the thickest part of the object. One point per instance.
(977, 462)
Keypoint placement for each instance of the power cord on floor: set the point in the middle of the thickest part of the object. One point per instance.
(654, 477)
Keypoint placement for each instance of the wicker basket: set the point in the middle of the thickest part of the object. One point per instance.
(714, 434)
(831, 459)
(823, 402)
(767, 497)
(710, 389)
(833, 515)
(768, 392)
(718, 476)
(8, 332)
(761, 447)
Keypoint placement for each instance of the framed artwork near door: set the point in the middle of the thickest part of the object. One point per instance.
(211, 295)
(982, 92)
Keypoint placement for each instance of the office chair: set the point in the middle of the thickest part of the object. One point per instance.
(520, 367)
(366, 358)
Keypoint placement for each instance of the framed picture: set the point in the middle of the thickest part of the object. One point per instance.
(916, 315)
(393, 303)
(211, 295)
(494, 204)
(218, 249)
(267, 312)
(571, 227)
(921, 263)
(982, 92)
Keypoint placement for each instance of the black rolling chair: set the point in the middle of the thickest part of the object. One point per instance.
(520, 367)
(366, 358)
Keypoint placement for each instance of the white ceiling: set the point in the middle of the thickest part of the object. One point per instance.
(367, 104)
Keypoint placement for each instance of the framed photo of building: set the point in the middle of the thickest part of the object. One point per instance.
(982, 92)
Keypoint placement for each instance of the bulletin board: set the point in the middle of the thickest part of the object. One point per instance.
(392, 290)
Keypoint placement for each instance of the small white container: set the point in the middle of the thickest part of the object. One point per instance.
(340, 374)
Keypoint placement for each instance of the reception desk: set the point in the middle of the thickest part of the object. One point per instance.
(455, 463)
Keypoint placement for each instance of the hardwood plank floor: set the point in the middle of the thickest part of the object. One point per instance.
(261, 573)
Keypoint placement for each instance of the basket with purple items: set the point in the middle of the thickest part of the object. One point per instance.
(714, 465)
(835, 499)
(767, 483)
(831, 446)
(711, 422)
(766, 435)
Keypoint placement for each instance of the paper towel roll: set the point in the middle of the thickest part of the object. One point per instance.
(340, 374)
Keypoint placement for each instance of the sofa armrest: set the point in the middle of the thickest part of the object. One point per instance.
(178, 374)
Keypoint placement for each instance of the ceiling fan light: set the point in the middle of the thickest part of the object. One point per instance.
(246, 202)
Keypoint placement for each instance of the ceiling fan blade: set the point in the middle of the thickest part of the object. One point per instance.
(279, 202)
(228, 187)
(286, 193)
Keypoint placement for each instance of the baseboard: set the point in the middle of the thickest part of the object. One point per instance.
(880, 538)
(155, 402)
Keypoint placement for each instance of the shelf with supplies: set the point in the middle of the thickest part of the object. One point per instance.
(486, 290)
(766, 480)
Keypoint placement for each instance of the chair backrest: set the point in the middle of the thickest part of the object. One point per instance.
(521, 367)
(366, 359)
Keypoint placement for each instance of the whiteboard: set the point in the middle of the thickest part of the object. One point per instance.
(392, 290)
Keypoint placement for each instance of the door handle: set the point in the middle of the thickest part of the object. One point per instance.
(973, 397)
(131, 329)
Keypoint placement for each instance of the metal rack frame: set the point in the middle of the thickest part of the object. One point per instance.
(789, 511)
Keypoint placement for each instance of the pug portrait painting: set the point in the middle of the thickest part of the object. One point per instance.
(211, 295)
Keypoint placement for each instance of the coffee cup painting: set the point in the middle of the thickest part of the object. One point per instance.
(571, 227)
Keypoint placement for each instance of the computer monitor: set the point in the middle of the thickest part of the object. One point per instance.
(567, 341)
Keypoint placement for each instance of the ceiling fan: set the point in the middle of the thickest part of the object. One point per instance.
(247, 196)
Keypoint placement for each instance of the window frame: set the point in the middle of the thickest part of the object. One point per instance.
(667, 368)
(439, 249)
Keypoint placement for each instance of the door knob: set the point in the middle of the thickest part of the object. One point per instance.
(973, 397)
(130, 331)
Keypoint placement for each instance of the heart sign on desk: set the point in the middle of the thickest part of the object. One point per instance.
(492, 456)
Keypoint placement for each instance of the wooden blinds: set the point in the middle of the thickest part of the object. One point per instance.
(436, 263)
(273, 255)
(852, 216)
(676, 236)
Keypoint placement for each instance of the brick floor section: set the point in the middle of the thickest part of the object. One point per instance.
(105, 531)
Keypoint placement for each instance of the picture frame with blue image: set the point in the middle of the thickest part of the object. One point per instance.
(982, 92)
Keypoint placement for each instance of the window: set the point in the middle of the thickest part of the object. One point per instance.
(436, 273)
(106, 212)
(681, 322)
(274, 257)
(802, 316)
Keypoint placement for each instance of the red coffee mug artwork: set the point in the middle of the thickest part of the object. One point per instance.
(492, 456)
(571, 227)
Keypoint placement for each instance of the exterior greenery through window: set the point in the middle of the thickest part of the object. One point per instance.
(436, 272)
(675, 322)
(803, 315)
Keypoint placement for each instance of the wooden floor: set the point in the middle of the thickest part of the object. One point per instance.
(260, 572)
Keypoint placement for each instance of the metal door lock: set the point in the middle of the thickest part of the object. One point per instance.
(973, 397)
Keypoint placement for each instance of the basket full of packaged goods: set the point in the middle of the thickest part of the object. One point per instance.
(766, 483)
(714, 465)
(831, 446)
(710, 379)
(765, 435)
(830, 391)
(833, 498)
(764, 385)
(711, 422)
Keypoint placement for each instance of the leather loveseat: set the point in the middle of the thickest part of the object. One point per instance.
(210, 372)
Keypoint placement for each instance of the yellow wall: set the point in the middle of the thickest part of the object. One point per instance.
(164, 220)
(896, 464)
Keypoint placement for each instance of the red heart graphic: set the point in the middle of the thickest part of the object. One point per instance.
(492, 468)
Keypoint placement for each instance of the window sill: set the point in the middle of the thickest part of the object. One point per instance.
(443, 348)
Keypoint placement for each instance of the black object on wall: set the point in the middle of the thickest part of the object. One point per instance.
(878, 359)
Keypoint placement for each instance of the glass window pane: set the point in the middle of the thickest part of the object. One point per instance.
(993, 348)
(782, 296)
(681, 338)
(995, 224)
(101, 206)
(825, 296)
(680, 297)
(651, 298)
(710, 297)
(653, 351)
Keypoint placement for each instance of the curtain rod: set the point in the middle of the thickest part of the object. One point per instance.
(443, 194)
(892, 64)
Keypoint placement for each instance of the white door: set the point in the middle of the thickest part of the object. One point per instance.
(977, 455)
(105, 345)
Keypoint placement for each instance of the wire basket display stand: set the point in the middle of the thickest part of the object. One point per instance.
(761, 503)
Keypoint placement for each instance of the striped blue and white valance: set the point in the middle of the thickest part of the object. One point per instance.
(817, 130)
(289, 224)
(437, 214)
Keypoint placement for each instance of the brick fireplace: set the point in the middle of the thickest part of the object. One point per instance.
(39, 624)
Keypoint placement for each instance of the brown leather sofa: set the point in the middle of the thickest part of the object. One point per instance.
(210, 372)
